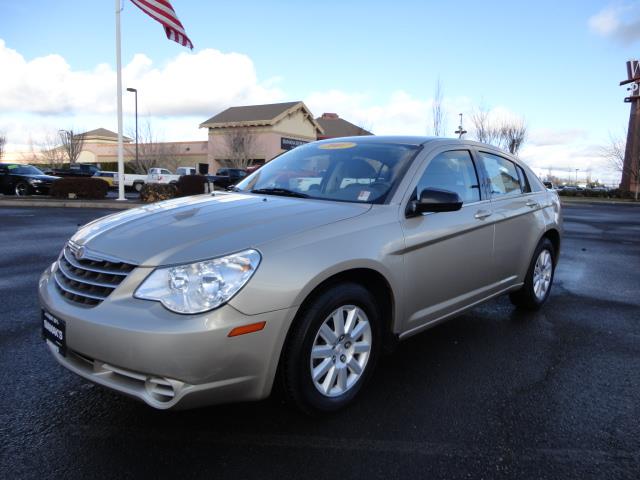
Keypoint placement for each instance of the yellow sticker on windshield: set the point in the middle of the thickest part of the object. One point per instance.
(337, 145)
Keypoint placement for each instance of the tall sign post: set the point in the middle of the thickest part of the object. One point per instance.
(631, 169)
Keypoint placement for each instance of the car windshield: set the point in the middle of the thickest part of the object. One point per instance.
(343, 171)
(24, 170)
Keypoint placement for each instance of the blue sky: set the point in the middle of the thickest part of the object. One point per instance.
(557, 64)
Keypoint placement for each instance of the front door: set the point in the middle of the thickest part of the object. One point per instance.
(447, 254)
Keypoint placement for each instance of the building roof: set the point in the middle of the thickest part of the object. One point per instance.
(334, 126)
(257, 115)
(102, 134)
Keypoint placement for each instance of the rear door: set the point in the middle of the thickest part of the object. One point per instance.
(448, 254)
(516, 212)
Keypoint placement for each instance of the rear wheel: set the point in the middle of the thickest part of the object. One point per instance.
(21, 189)
(332, 349)
(537, 283)
(137, 186)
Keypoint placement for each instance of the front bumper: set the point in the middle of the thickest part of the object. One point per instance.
(41, 189)
(167, 360)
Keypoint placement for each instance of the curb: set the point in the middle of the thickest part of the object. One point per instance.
(598, 202)
(28, 202)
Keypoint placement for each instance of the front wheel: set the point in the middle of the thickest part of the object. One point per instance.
(332, 349)
(21, 189)
(537, 283)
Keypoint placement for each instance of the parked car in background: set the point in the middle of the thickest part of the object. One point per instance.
(162, 175)
(108, 177)
(132, 181)
(20, 180)
(225, 177)
(77, 170)
(306, 271)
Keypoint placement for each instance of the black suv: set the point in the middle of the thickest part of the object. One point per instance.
(225, 177)
(17, 179)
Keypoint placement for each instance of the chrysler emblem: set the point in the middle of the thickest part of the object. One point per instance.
(79, 253)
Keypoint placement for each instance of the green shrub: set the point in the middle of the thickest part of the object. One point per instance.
(192, 185)
(81, 187)
(155, 192)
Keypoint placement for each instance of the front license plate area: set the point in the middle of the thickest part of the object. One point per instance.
(54, 331)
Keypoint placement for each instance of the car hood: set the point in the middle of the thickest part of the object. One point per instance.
(44, 178)
(201, 227)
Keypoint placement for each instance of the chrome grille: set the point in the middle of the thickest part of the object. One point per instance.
(87, 278)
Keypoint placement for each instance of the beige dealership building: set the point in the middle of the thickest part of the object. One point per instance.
(257, 133)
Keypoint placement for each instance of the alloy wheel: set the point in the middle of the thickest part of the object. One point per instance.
(542, 273)
(21, 190)
(340, 351)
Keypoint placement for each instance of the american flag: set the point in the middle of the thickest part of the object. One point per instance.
(163, 12)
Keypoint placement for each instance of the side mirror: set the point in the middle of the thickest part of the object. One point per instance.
(435, 200)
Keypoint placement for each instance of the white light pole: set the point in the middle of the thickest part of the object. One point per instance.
(119, 94)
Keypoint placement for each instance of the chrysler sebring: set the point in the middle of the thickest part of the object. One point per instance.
(303, 274)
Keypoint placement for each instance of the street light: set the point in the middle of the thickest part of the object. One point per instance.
(461, 131)
(134, 90)
(577, 176)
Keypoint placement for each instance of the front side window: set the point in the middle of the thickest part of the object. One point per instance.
(502, 173)
(343, 171)
(453, 171)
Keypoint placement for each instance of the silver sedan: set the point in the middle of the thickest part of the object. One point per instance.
(315, 264)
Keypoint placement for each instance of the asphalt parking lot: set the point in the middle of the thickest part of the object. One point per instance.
(496, 393)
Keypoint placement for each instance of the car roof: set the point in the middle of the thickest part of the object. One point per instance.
(409, 140)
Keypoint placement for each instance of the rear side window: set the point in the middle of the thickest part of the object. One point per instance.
(503, 175)
(453, 171)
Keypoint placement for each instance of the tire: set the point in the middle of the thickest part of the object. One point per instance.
(137, 186)
(21, 189)
(341, 382)
(537, 284)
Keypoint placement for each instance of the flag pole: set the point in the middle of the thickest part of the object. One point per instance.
(119, 94)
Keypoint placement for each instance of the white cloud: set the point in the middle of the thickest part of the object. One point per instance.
(605, 22)
(399, 114)
(620, 21)
(201, 83)
(547, 136)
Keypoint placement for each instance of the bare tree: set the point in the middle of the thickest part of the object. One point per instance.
(151, 152)
(614, 153)
(508, 134)
(513, 134)
(485, 130)
(3, 142)
(240, 145)
(48, 151)
(438, 114)
(72, 144)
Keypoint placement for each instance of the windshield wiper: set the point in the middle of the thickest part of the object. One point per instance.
(280, 191)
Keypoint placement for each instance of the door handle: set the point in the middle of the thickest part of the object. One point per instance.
(532, 203)
(482, 214)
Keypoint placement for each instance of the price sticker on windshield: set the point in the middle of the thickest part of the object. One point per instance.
(337, 145)
(364, 195)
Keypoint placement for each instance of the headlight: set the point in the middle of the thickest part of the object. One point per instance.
(35, 180)
(202, 286)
